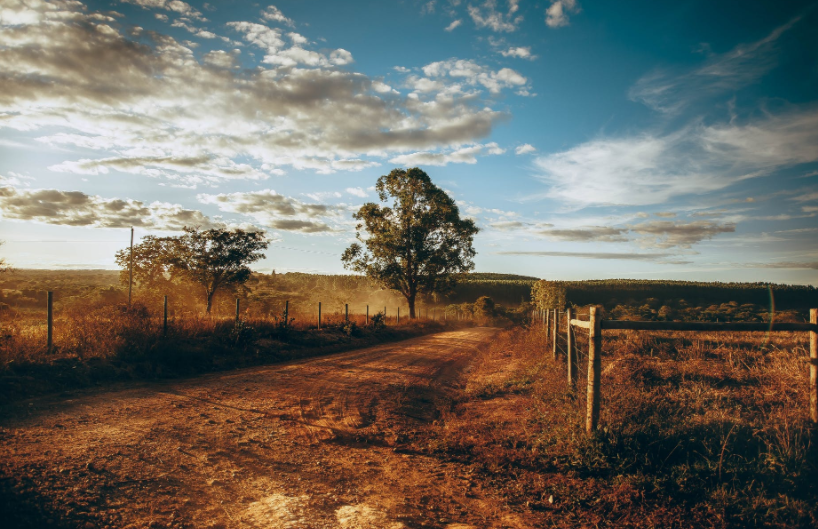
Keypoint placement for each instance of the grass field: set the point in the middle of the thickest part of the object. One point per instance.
(696, 430)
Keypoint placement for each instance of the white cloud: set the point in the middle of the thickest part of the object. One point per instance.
(524, 149)
(669, 234)
(383, 88)
(340, 57)
(297, 38)
(152, 107)
(587, 234)
(275, 211)
(454, 25)
(463, 155)
(221, 58)
(521, 52)
(488, 16)
(669, 90)
(357, 191)
(650, 169)
(262, 36)
(556, 15)
(469, 72)
(75, 208)
(176, 6)
(273, 14)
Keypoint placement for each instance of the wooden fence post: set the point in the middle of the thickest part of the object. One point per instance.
(547, 322)
(594, 370)
(286, 314)
(165, 317)
(813, 367)
(238, 302)
(50, 319)
(398, 320)
(556, 334)
(570, 347)
(367, 315)
(346, 311)
(319, 315)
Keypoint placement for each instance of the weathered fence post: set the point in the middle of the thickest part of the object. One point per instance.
(570, 347)
(813, 367)
(165, 317)
(556, 334)
(319, 315)
(594, 370)
(397, 321)
(50, 319)
(286, 314)
(346, 312)
(238, 304)
(547, 322)
(367, 315)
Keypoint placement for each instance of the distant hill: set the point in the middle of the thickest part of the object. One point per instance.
(488, 276)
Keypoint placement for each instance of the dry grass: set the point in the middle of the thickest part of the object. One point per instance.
(706, 429)
(95, 344)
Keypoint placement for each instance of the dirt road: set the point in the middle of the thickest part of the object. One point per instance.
(309, 444)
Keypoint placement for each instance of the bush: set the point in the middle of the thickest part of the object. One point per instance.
(350, 328)
(379, 321)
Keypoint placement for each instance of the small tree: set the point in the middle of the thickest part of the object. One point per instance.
(3, 267)
(417, 244)
(151, 267)
(485, 308)
(213, 258)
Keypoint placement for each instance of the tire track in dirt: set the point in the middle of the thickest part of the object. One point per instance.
(304, 444)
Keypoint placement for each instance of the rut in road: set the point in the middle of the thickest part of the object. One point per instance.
(304, 444)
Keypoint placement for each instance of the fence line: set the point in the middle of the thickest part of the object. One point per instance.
(237, 318)
(595, 324)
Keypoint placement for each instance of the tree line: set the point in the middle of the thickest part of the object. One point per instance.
(415, 244)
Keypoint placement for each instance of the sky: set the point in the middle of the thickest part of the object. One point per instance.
(588, 140)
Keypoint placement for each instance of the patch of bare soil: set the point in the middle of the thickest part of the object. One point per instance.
(325, 442)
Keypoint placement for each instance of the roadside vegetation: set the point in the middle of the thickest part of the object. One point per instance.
(98, 339)
(704, 430)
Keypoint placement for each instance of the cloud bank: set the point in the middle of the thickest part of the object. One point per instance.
(148, 104)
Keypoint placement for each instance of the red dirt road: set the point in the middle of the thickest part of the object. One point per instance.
(308, 444)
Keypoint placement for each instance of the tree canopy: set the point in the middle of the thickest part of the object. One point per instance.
(417, 243)
(212, 259)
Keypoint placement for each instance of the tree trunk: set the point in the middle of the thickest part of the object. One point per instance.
(209, 301)
(411, 302)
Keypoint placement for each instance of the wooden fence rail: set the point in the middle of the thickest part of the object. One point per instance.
(596, 324)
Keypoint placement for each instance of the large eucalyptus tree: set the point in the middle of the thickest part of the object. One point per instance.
(416, 243)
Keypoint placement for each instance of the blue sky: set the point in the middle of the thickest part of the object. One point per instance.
(588, 139)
